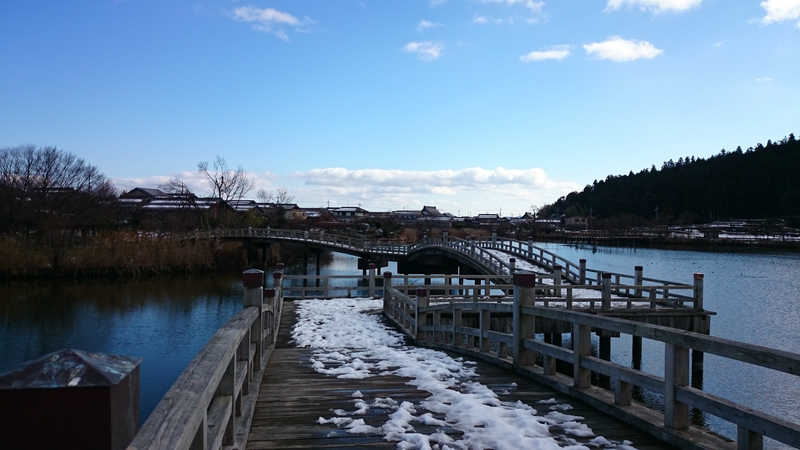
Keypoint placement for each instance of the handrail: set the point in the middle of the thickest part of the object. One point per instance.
(210, 406)
(480, 250)
(441, 325)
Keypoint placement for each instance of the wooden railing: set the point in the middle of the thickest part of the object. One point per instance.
(211, 404)
(444, 325)
(490, 253)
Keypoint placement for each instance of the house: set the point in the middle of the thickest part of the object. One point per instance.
(348, 213)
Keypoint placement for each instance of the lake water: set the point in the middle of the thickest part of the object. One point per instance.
(166, 322)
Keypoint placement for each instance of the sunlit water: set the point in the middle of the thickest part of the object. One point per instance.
(756, 297)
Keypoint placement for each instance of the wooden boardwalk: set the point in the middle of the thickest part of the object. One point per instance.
(293, 397)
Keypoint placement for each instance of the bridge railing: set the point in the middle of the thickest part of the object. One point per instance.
(210, 405)
(466, 327)
(382, 246)
(489, 252)
(580, 274)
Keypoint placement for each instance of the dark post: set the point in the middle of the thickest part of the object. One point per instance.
(524, 325)
(638, 279)
(420, 319)
(70, 399)
(557, 280)
(372, 279)
(387, 283)
(606, 291)
(583, 271)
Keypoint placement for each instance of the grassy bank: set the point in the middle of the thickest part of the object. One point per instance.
(114, 253)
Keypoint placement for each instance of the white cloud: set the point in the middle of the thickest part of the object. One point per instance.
(534, 6)
(425, 50)
(557, 52)
(654, 5)
(268, 19)
(435, 3)
(425, 24)
(617, 49)
(764, 79)
(475, 188)
(780, 10)
(485, 20)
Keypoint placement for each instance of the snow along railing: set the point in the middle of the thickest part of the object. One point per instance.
(211, 404)
(446, 326)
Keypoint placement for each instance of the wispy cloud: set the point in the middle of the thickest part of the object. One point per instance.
(425, 50)
(781, 10)
(425, 24)
(557, 52)
(485, 20)
(764, 79)
(621, 50)
(534, 6)
(268, 20)
(435, 3)
(465, 188)
(658, 6)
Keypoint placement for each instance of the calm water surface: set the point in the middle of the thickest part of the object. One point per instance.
(756, 297)
(757, 300)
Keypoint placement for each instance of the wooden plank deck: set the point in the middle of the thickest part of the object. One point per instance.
(293, 397)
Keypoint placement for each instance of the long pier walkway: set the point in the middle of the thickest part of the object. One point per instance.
(293, 397)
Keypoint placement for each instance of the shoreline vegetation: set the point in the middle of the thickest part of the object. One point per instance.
(130, 254)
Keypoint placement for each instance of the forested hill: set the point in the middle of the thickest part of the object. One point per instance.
(760, 182)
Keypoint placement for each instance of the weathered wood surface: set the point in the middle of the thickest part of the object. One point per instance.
(293, 397)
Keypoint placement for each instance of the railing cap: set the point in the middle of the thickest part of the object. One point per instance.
(422, 292)
(557, 267)
(253, 278)
(526, 280)
(638, 268)
(387, 274)
(606, 275)
(277, 275)
(269, 293)
(698, 276)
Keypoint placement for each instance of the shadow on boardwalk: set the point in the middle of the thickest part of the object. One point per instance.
(293, 397)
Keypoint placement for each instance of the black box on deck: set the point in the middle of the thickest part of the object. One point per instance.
(70, 399)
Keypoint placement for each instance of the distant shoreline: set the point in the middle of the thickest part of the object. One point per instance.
(673, 243)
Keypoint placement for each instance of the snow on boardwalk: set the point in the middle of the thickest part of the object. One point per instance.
(345, 380)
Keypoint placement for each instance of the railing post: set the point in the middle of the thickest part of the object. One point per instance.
(582, 346)
(557, 280)
(253, 284)
(277, 283)
(606, 292)
(422, 302)
(494, 239)
(583, 271)
(486, 319)
(513, 263)
(372, 279)
(638, 279)
(698, 291)
(676, 373)
(524, 325)
(387, 283)
(530, 248)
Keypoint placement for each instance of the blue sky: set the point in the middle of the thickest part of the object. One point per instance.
(475, 106)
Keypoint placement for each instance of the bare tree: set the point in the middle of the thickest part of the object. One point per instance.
(265, 196)
(175, 186)
(279, 197)
(282, 196)
(51, 192)
(226, 183)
